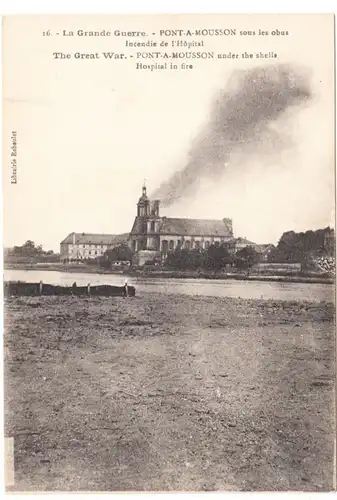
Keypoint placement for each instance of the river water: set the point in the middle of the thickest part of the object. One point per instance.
(214, 288)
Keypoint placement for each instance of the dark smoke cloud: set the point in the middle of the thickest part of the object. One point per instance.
(241, 119)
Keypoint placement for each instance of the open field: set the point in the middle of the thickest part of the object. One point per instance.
(169, 392)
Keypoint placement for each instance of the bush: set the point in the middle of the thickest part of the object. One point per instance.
(215, 257)
(246, 257)
(117, 254)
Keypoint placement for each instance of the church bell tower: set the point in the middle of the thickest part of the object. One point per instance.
(145, 231)
(143, 204)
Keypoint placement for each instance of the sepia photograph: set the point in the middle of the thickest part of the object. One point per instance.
(169, 253)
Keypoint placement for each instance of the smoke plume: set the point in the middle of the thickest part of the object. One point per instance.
(242, 119)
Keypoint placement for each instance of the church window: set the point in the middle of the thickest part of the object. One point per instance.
(153, 225)
(164, 246)
(171, 244)
(188, 245)
(206, 245)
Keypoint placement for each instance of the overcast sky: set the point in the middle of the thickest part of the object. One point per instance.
(89, 131)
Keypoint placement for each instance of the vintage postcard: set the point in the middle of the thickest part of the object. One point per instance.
(169, 252)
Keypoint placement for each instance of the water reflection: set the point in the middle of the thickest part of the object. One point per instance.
(214, 288)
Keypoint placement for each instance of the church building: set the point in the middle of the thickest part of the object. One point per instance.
(160, 235)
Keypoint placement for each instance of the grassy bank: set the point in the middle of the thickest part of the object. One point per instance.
(165, 392)
(242, 276)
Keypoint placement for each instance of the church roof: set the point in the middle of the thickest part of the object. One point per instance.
(196, 227)
(188, 227)
(244, 241)
(96, 239)
(137, 227)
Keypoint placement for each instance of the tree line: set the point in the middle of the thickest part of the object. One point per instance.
(30, 252)
(217, 256)
(303, 247)
(292, 247)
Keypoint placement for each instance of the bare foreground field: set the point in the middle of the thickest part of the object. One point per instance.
(168, 392)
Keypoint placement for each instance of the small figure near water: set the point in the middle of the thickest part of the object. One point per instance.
(73, 288)
(88, 288)
(126, 290)
(41, 287)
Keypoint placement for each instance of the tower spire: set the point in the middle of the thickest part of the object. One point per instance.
(144, 187)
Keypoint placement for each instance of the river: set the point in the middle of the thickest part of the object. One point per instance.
(214, 288)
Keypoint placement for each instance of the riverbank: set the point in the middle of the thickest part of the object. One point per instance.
(63, 268)
(302, 277)
(171, 393)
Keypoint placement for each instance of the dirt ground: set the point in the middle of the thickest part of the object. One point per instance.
(167, 392)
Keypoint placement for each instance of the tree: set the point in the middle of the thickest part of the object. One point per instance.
(28, 252)
(29, 244)
(27, 249)
(119, 253)
(217, 256)
(185, 259)
(246, 257)
(302, 247)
